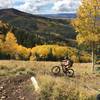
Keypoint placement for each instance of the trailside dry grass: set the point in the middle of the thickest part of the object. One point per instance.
(83, 86)
(43, 66)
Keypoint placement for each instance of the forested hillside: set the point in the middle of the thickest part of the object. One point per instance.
(31, 30)
(11, 49)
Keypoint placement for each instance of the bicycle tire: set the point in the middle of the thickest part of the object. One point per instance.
(70, 72)
(55, 70)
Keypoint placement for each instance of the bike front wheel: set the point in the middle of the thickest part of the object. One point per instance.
(55, 70)
(70, 72)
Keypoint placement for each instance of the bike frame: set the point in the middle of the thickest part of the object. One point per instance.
(64, 69)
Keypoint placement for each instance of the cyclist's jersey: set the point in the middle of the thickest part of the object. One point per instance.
(67, 62)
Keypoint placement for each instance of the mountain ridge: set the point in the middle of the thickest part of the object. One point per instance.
(60, 15)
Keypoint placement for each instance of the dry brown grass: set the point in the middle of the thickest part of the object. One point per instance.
(84, 85)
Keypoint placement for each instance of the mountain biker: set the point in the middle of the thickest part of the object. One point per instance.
(67, 62)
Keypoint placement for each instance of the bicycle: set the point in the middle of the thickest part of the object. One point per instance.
(57, 69)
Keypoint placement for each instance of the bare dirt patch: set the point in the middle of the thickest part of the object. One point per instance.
(15, 88)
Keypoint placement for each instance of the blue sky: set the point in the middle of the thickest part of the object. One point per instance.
(42, 6)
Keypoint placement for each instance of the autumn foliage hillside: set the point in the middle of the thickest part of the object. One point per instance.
(10, 49)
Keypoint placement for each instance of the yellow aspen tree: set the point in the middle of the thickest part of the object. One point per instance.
(10, 43)
(87, 24)
(10, 38)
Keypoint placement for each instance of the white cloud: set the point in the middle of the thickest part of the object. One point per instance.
(66, 5)
(33, 6)
(37, 6)
(6, 3)
(60, 3)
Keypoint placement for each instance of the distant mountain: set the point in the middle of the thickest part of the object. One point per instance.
(31, 29)
(60, 16)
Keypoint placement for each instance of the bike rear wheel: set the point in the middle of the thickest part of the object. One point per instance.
(55, 70)
(70, 72)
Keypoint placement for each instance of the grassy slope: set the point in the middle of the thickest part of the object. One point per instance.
(85, 82)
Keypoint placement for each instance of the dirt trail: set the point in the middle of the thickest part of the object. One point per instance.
(14, 88)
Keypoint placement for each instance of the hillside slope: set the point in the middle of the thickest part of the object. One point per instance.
(34, 29)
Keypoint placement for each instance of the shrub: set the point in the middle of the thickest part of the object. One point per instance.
(46, 83)
(85, 57)
(23, 52)
(55, 88)
(53, 52)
